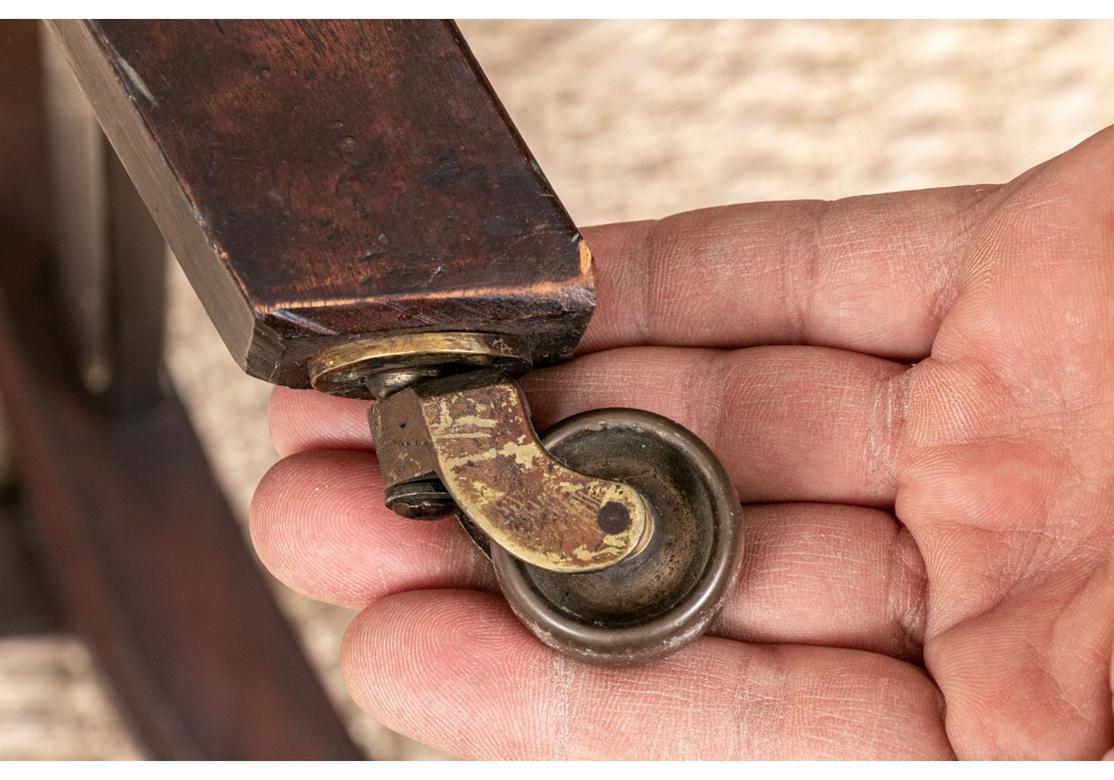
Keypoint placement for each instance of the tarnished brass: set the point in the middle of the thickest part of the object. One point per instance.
(376, 367)
(617, 548)
(648, 605)
(472, 431)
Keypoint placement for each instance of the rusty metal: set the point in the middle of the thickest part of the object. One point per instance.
(652, 603)
(472, 432)
(376, 367)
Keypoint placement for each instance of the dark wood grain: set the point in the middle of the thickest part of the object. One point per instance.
(143, 551)
(155, 573)
(325, 180)
(25, 604)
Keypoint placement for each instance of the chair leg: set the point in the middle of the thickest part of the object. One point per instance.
(142, 549)
(26, 605)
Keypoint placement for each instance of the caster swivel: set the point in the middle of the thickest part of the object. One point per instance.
(614, 535)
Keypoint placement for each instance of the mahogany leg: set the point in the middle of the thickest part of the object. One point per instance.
(144, 552)
(26, 606)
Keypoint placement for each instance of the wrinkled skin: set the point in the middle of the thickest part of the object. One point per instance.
(914, 394)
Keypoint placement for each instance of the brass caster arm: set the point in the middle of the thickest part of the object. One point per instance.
(472, 433)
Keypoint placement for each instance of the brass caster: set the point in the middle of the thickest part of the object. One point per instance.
(660, 598)
(614, 537)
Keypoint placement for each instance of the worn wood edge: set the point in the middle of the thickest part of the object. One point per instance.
(587, 271)
(567, 310)
(273, 340)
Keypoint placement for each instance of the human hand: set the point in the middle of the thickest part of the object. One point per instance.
(947, 354)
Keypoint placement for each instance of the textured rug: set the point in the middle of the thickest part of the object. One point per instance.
(633, 120)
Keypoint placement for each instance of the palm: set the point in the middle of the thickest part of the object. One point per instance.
(975, 622)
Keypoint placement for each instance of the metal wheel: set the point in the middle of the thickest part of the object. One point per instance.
(662, 597)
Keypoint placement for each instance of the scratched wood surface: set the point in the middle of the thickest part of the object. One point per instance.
(322, 180)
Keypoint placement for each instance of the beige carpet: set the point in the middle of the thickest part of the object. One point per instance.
(640, 119)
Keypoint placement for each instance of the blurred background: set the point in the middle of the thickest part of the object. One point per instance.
(634, 120)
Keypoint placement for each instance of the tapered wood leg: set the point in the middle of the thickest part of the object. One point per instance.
(150, 566)
(26, 606)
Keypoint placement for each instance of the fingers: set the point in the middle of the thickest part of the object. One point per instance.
(788, 423)
(871, 274)
(318, 524)
(455, 670)
(825, 574)
(309, 420)
(812, 573)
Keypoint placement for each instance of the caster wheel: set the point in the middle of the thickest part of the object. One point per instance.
(661, 597)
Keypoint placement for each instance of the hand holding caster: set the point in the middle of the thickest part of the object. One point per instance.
(974, 622)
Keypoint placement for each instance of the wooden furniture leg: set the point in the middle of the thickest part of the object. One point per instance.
(26, 605)
(327, 181)
(149, 563)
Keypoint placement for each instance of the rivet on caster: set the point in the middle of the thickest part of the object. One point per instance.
(615, 535)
